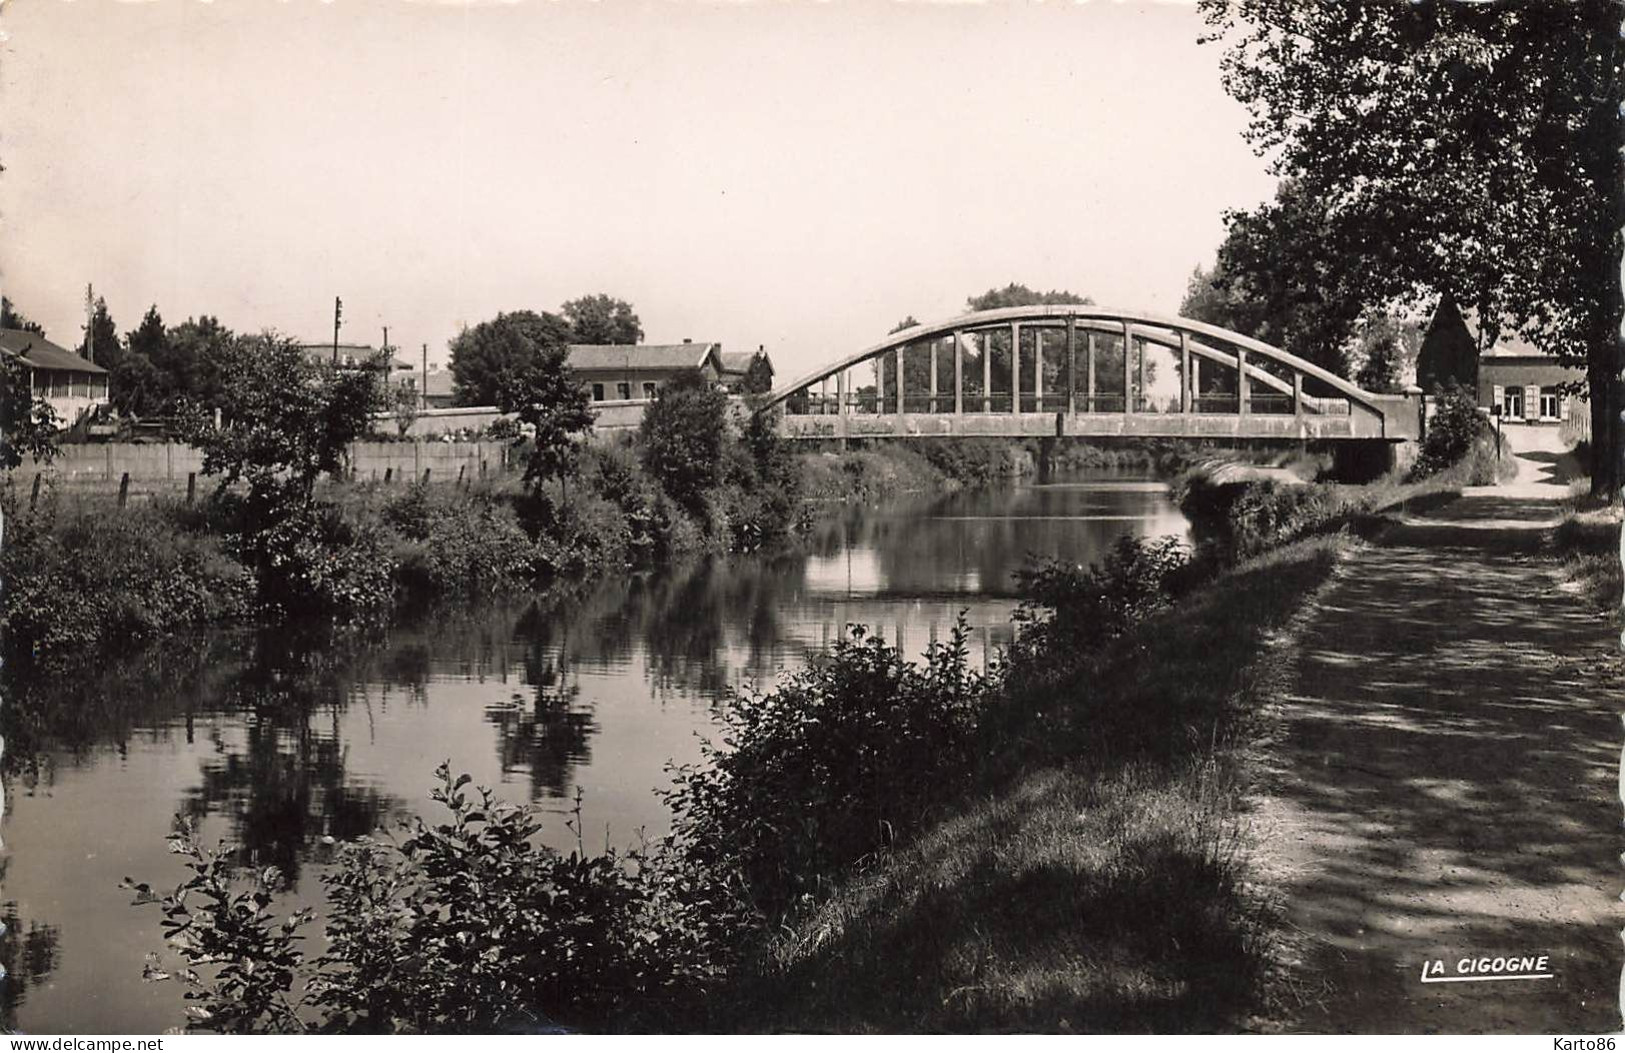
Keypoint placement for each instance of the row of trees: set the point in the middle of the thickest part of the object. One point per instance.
(1428, 149)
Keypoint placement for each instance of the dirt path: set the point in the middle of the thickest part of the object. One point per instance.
(1445, 782)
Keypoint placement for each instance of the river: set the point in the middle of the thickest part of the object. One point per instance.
(285, 745)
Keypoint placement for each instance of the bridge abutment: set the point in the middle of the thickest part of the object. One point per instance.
(1365, 460)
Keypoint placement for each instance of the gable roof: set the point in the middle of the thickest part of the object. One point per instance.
(1509, 344)
(646, 356)
(36, 351)
(737, 363)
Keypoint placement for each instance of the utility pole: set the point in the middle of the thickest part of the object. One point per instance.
(423, 396)
(338, 316)
(386, 338)
(90, 321)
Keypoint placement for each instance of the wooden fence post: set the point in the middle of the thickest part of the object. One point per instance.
(426, 472)
(124, 490)
(33, 498)
(191, 486)
(389, 473)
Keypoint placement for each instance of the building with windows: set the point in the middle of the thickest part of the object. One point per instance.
(72, 385)
(1525, 382)
(636, 372)
(736, 366)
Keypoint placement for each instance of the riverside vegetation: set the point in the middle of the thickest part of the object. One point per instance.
(874, 844)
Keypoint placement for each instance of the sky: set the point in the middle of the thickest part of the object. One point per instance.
(793, 175)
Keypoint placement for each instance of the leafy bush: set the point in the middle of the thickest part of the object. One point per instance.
(76, 580)
(1455, 429)
(468, 925)
(310, 559)
(456, 544)
(841, 760)
(1246, 517)
(1067, 610)
(682, 436)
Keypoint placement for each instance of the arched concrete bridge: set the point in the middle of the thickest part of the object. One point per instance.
(1180, 379)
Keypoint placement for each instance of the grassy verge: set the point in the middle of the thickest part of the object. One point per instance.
(1099, 887)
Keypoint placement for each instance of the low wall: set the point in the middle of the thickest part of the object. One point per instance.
(155, 467)
(617, 415)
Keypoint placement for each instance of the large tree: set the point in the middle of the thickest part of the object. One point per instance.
(602, 319)
(1278, 280)
(136, 386)
(681, 437)
(1468, 149)
(487, 357)
(545, 395)
(284, 418)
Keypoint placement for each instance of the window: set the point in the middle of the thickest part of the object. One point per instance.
(1548, 402)
(623, 390)
(1512, 402)
(648, 389)
(598, 392)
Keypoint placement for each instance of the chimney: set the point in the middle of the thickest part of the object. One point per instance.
(688, 340)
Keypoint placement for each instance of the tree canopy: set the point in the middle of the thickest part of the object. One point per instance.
(681, 437)
(11, 318)
(284, 417)
(105, 349)
(1014, 295)
(487, 358)
(1469, 149)
(28, 425)
(545, 395)
(602, 319)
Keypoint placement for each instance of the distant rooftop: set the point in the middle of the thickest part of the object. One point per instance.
(649, 356)
(36, 351)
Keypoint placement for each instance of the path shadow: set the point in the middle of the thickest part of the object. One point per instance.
(1448, 757)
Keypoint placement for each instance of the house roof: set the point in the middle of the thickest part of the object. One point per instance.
(736, 363)
(438, 382)
(646, 356)
(1507, 345)
(356, 353)
(40, 353)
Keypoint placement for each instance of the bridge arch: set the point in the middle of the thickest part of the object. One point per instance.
(1331, 408)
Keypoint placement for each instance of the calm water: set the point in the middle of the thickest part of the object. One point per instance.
(278, 744)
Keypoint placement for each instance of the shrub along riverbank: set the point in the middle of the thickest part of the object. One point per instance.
(877, 844)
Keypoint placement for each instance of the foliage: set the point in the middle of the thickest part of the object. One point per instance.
(682, 434)
(456, 545)
(285, 418)
(308, 559)
(1457, 425)
(841, 760)
(758, 378)
(484, 358)
(1386, 345)
(251, 958)
(466, 926)
(1014, 295)
(105, 348)
(85, 579)
(1468, 149)
(1066, 608)
(136, 385)
(543, 393)
(28, 424)
(1245, 517)
(406, 404)
(602, 319)
(1276, 280)
(11, 318)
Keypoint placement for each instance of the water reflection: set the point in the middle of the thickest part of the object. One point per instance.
(279, 741)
